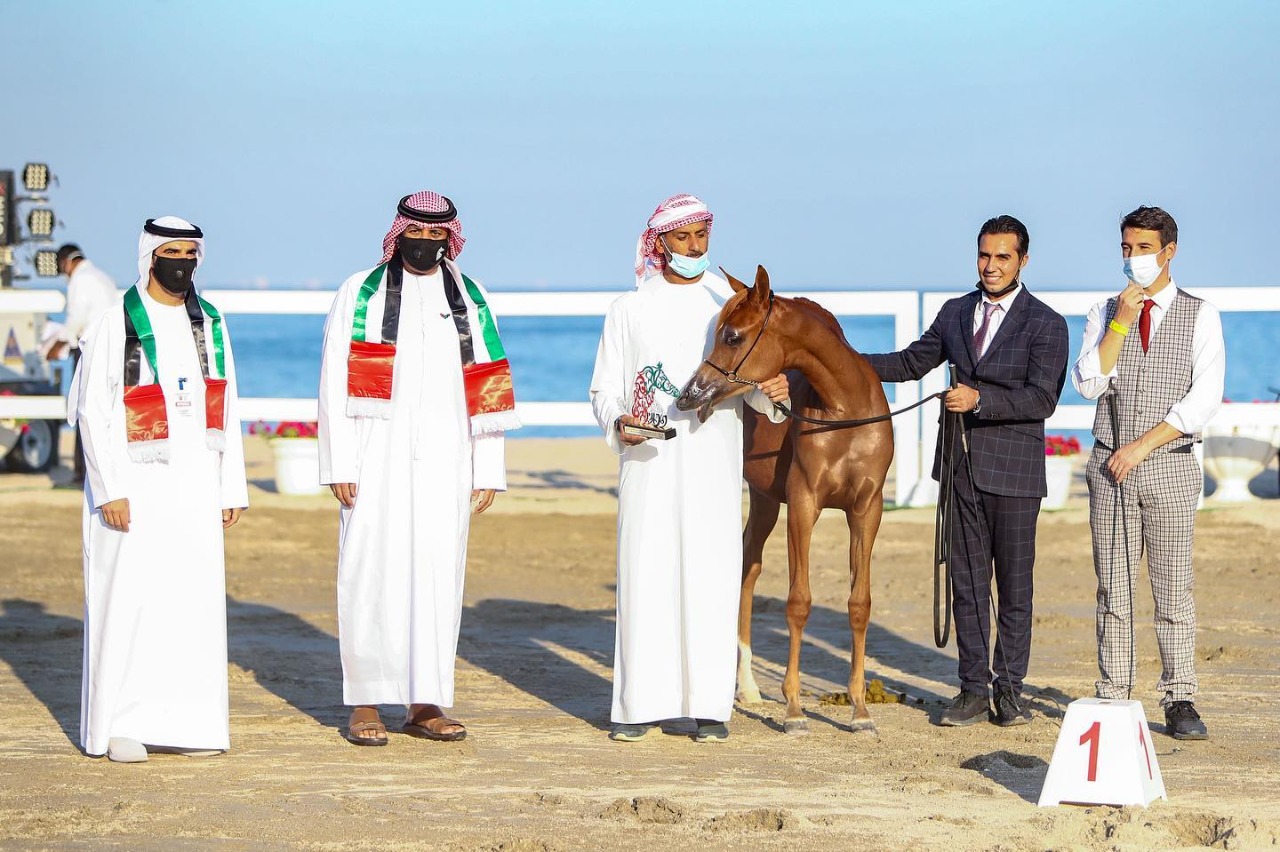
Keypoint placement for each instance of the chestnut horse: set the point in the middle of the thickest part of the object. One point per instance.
(808, 467)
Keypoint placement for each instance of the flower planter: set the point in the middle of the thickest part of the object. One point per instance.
(297, 465)
(1233, 455)
(1057, 474)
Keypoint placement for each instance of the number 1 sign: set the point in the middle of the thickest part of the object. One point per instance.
(1104, 756)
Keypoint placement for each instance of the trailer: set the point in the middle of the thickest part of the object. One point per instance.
(27, 444)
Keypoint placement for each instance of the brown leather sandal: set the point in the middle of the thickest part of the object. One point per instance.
(431, 728)
(364, 721)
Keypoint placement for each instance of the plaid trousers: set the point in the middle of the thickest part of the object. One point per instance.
(1157, 514)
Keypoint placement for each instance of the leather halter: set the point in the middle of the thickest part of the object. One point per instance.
(732, 375)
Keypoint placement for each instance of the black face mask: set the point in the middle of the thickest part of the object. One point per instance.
(1003, 291)
(174, 273)
(421, 254)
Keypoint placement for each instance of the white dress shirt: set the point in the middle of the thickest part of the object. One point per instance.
(90, 291)
(997, 317)
(1208, 362)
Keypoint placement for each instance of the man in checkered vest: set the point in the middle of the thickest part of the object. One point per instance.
(1154, 359)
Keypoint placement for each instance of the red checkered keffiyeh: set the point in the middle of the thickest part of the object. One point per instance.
(427, 202)
(676, 212)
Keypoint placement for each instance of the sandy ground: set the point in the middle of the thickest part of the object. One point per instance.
(537, 772)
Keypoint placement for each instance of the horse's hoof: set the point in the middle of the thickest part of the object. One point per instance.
(796, 727)
(863, 725)
(750, 697)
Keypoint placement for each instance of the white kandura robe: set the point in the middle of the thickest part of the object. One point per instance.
(679, 510)
(402, 549)
(155, 631)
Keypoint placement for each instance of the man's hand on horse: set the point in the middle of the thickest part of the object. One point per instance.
(777, 388)
(962, 398)
(629, 440)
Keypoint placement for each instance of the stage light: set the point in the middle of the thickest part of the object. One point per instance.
(35, 177)
(40, 222)
(46, 263)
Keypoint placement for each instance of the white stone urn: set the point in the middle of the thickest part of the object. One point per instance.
(1233, 455)
(1057, 474)
(297, 465)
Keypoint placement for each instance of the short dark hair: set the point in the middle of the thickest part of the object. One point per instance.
(66, 250)
(1152, 219)
(1007, 225)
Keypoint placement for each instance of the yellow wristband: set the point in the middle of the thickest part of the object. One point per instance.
(1122, 330)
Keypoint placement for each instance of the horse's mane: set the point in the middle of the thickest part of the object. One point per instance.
(820, 314)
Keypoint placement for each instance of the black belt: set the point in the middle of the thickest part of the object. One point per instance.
(1185, 448)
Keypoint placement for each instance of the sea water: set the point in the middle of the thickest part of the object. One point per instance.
(552, 357)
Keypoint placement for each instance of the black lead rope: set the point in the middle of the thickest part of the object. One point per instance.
(864, 421)
(944, 521)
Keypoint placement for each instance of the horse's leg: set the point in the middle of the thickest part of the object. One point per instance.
(761, 519)
(801, 516)
(864, 523)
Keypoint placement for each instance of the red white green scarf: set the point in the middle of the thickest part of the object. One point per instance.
(486, 374)
(146, 414)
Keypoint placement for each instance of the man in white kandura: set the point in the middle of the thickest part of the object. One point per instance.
(415, 398)
(679, 499)
(155, 398)
(90, 292)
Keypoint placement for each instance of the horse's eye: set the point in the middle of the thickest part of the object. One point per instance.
(732, 337)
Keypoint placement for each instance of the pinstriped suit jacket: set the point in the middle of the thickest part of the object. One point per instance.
(1020, 379)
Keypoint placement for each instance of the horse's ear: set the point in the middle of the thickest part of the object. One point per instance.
(737, 285)
(761, 290)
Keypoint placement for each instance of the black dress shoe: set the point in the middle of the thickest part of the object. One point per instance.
(711, 731)
(1183, 722)
(1011, 709)
(968, 708)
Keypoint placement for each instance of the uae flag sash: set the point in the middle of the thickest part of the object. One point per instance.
(486, 374)
(146, 414)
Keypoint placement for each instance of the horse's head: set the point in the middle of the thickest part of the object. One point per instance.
(746, 350)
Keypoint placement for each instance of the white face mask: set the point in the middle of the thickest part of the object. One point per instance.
(1143, 269)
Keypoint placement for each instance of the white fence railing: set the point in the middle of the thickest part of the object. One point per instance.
(912, 311)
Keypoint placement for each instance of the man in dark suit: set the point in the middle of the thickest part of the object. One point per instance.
(1010, 351)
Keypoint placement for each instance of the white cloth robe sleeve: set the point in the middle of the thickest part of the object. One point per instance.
(489, 461)
(607, 389)
(99, 409)
(234, 486)
(339, 461)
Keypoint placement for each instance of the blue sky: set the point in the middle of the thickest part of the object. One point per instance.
(840, 144)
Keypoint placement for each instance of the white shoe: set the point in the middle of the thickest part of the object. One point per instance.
(125, 750)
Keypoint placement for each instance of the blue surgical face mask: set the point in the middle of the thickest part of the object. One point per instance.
(1143, 269)
(687, 267)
